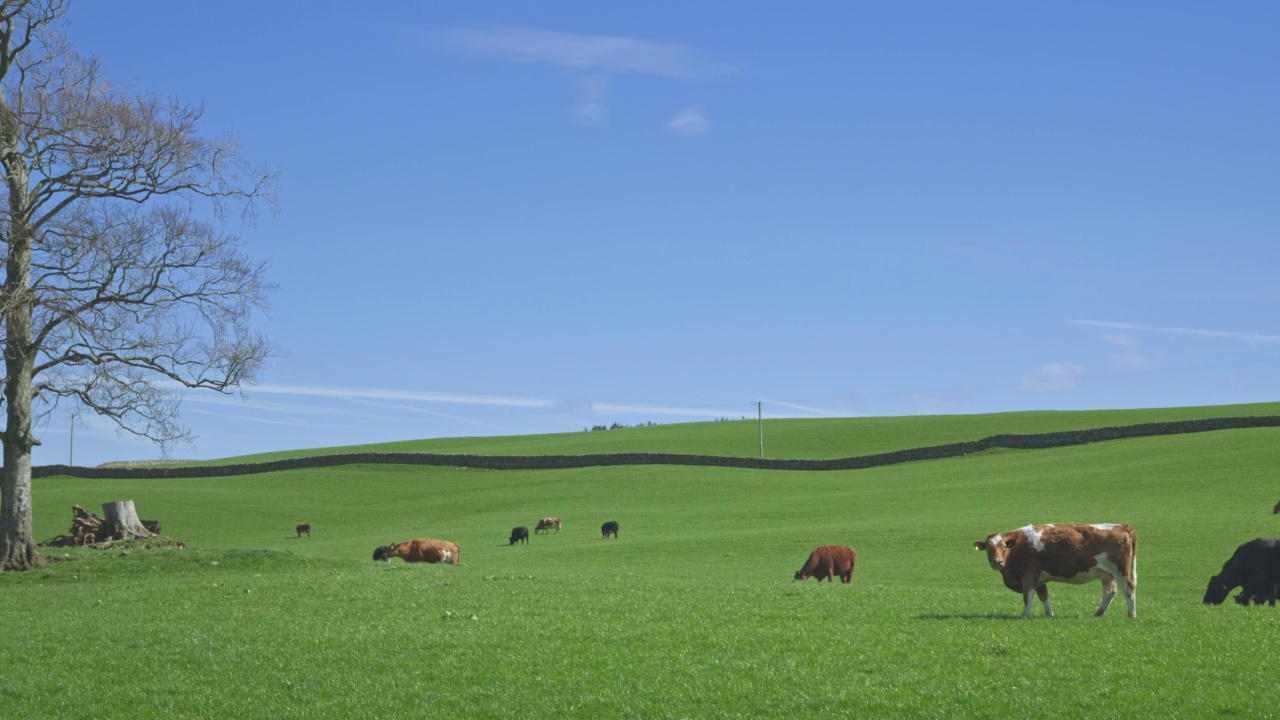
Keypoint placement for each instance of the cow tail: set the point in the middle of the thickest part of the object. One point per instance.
(1133, 557)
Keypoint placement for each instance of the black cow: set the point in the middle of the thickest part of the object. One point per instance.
(152, 526)
(1255, 567)
(609, 528)
(519, 533)
(304, 528)
(382, 553)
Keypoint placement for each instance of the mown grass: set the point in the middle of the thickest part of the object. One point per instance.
(691, 612)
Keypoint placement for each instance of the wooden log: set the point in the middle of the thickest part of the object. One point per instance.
(122, 520)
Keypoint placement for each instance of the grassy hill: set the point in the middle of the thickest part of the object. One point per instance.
(691, 612)
(784, 438)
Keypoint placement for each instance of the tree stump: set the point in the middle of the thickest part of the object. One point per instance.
(122, 520)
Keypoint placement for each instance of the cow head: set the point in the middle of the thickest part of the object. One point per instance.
(997, 547)
(382, 553)
(1217, 591)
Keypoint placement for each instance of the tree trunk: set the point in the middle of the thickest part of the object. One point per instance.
(122, 520)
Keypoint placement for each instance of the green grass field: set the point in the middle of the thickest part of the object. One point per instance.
(691, 613)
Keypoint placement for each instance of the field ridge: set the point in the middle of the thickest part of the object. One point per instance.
(1032, 441)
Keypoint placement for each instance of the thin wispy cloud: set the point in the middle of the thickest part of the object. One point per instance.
(593, 58)
(414, 396)
(608, 54)
(1132, 359)
(591, 108)
(1053, 376)
(1223, 334)
(689, 121)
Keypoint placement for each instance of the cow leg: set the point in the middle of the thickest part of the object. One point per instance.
(1043, 593)
(1131, 597)
(1108, 594)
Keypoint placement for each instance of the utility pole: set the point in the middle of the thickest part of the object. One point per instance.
(760, 420)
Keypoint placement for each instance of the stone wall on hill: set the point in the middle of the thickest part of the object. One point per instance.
(558, 462)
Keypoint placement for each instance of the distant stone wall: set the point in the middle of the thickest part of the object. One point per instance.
(559, 462)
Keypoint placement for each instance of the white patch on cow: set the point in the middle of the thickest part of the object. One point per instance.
(1106, 526)
(448, 555)
(996, 540)
(1033, 535)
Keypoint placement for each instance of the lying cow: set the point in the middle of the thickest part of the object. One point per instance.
(519, 533)
(828, 561)
(425, 550)
(1030, 557)
(304, 528)
(609, 528)
(1255, 567)
(545, 525)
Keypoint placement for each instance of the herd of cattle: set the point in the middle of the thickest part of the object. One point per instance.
(1027, 559)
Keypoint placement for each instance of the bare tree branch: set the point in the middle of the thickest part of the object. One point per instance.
(121, 288)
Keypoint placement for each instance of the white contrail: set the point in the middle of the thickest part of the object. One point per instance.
(1247, 337)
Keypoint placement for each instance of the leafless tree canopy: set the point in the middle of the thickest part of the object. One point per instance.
(122, 285)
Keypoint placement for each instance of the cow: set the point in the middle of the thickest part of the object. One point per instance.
(304, 528)
(545, 525)
(519, 533)
(1254, 567)
(1276, 509)
(609, 528)
(1030, 557)
(425, 550)
(152, 526)
(828, 561)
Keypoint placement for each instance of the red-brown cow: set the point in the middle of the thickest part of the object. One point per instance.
(1029, 557)
(545, 525)
(828, 561)
(425, 550)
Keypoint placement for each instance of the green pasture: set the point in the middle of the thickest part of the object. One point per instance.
(785, 438)
(691, 613)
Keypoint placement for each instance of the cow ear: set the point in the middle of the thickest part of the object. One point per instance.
(1011, 541)
(980, 545)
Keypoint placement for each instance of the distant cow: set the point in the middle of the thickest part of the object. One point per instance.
(1276, 509)
(828, 561)
(545, 525)
(609, 528)
(425, 550)
(518, 534)
(1255, 567)
(304, 528)
(1029, 557)
(152, 526)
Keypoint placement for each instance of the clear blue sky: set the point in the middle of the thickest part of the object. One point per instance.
(502, 218)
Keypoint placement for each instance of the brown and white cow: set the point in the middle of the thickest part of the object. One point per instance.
(545, 525)
(828, 561)
(425, 550)
(1029, 557)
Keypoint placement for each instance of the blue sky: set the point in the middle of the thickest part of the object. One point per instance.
(502, 218)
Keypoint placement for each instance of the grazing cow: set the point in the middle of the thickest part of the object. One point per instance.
(1276, 510)
(519, 533)
(828, 561)
(425, 550)
(1255, 567)
(545, 525)
(304, 528)
(609, 528)
(1029, 557)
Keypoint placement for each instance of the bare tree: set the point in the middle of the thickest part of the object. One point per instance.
(121, 288)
